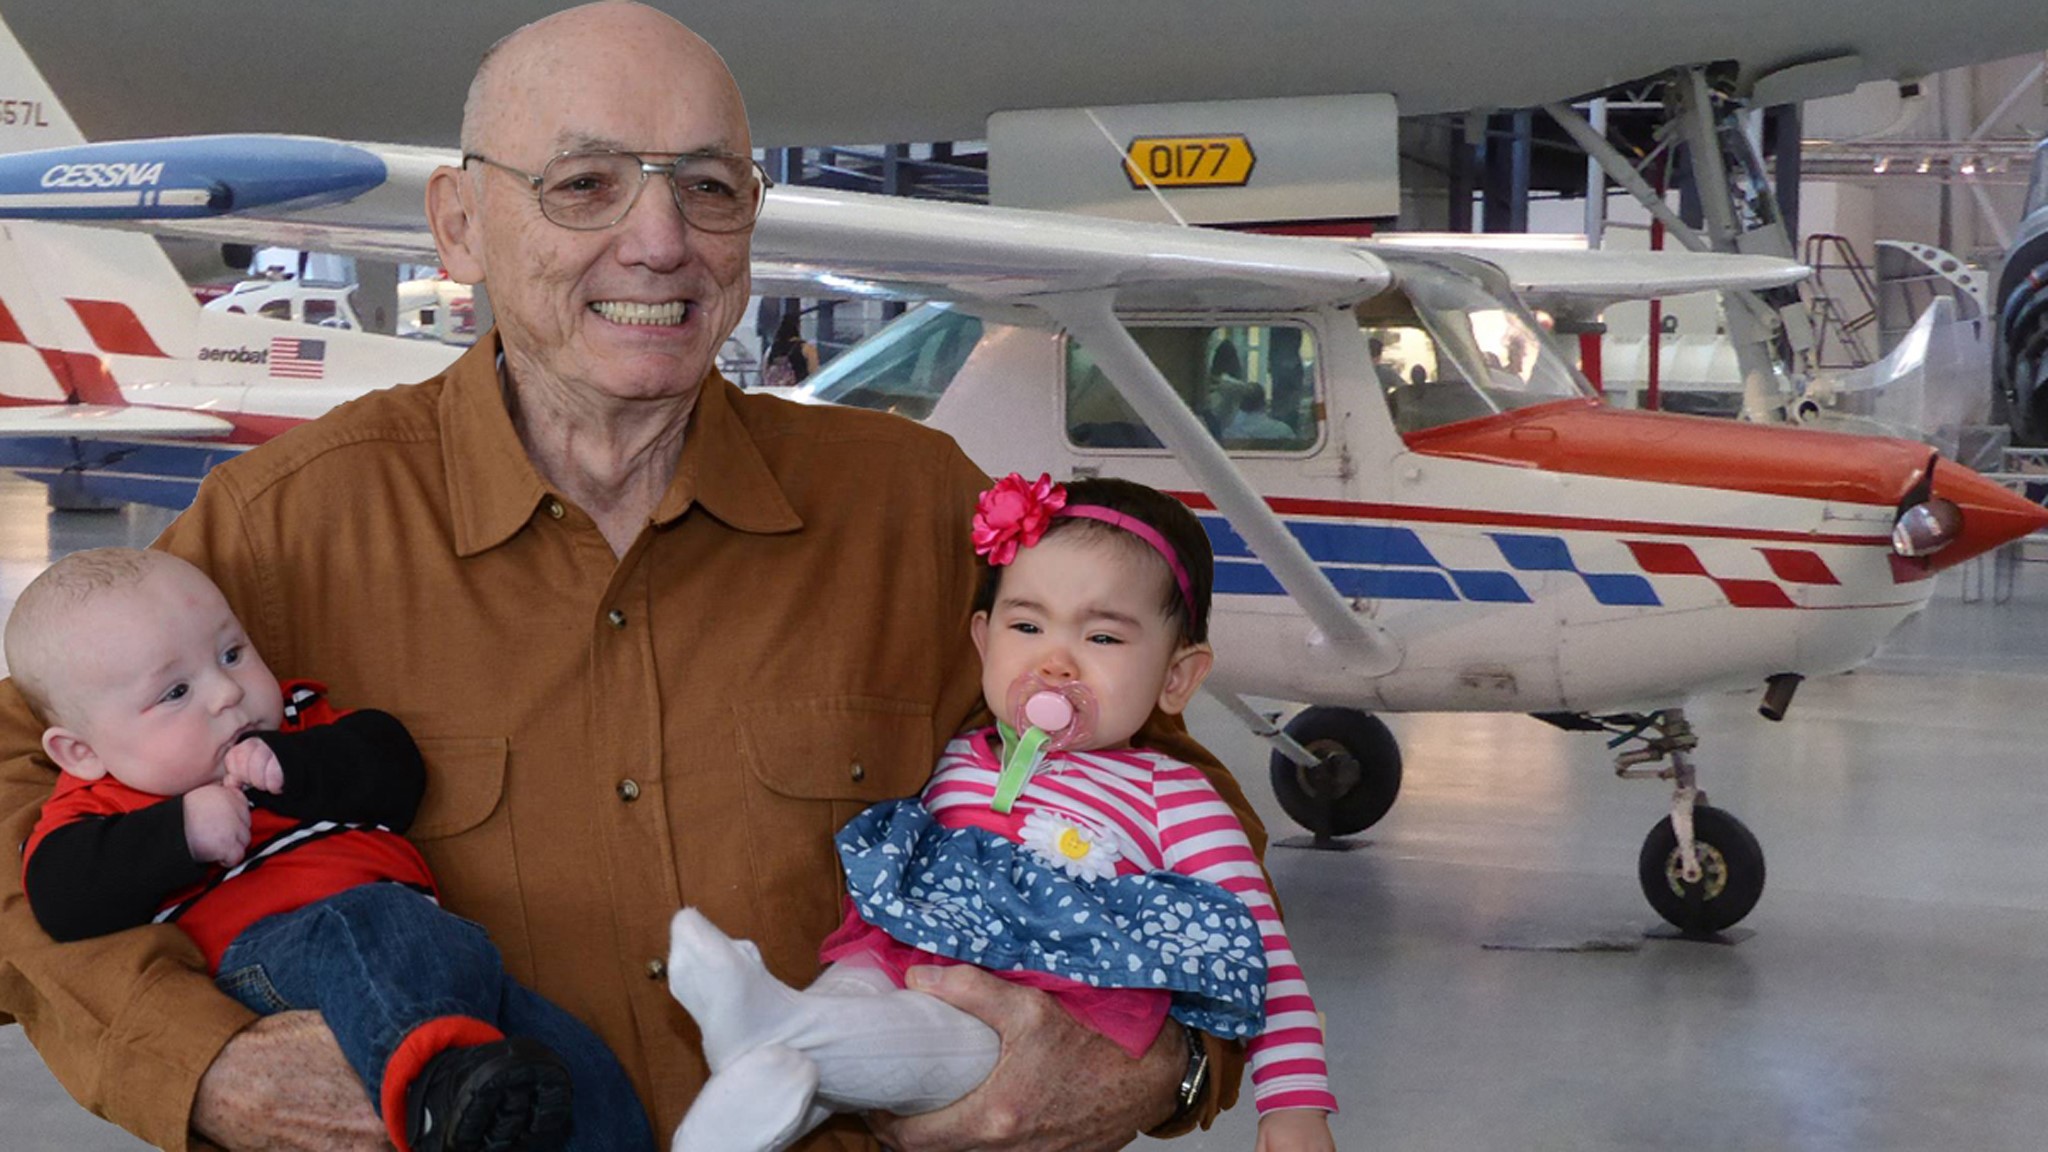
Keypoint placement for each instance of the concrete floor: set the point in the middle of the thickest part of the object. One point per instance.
(1885, 999)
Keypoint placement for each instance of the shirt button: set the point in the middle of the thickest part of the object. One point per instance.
(629, 790)
(858, 773)
(656, 969)
(555, 508)
(617, 619)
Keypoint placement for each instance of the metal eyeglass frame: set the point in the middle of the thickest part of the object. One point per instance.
(668, 168)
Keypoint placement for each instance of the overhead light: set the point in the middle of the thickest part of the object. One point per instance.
(1969, 166)
(1883, 163)
(1926, 163)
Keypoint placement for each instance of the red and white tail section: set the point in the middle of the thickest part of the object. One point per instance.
(101, 339)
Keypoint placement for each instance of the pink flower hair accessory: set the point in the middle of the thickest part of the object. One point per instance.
(1014, 514)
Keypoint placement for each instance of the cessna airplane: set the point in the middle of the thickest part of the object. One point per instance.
(1417, 504)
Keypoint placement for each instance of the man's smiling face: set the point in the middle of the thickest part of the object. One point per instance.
(636, 311)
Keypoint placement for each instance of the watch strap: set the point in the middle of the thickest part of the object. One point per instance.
(1194, 1081)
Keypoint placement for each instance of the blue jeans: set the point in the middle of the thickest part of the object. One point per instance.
(379, 960)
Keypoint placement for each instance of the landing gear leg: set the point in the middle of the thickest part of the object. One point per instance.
(1700, 868)
(1335, 771)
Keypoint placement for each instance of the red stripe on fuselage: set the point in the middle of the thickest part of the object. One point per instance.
(1798, 566)
(1354, 510)
(255, 428)
(115, 328)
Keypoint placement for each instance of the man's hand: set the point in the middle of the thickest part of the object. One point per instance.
(253, 764)
(217, 824)
(1057, 1086)
(282, 1085)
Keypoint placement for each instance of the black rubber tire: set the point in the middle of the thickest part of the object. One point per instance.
(1734, 879)
(1355, 784)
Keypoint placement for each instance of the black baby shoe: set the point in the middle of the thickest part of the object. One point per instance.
(509, 1095)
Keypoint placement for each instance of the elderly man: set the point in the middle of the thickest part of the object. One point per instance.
(657, 639)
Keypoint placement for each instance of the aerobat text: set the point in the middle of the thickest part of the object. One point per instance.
(236, 355)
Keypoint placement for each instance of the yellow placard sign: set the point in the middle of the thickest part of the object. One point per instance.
(1189, 161)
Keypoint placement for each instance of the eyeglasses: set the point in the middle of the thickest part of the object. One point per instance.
(715, 190)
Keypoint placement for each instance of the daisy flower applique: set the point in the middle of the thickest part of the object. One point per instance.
(1081, 851)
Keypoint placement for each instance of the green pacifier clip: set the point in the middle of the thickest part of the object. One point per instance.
(1021, 757)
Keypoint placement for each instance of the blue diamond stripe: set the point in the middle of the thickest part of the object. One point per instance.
(1391, 583)
(1490, 587)
(1620, 589)
(1363, 544)
(1534, 553)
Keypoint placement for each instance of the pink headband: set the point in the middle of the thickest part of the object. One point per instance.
(1142, 531)
(1015, 513)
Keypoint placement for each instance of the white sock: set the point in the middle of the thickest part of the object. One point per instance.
(897, 1050)
(874, 1045)
(737, 1004)
(760, 1103)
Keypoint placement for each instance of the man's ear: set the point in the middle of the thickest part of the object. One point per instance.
(1184, 677)
(978, 628)
(455, 216)
(69, 751)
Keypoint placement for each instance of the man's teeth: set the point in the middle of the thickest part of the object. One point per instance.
(634, 312)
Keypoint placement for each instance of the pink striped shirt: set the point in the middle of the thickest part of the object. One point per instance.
(1167, 816)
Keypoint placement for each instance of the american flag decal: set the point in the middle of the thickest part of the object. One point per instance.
(296, 358)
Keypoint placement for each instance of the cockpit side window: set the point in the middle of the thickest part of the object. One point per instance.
(905, 367)
(1252, 385)
(1445, 351)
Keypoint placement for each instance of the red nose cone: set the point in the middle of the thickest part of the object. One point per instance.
(1992, 514)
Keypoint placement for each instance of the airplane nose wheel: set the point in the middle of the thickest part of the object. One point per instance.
(1701, 868)
(1731, 872)
(1354, 779)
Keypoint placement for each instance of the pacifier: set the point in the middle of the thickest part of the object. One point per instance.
(1063, 710)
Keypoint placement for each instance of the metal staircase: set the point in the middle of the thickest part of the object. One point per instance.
(1839, 321)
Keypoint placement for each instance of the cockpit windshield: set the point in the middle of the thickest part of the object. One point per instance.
(1445, 350)
(905, 367)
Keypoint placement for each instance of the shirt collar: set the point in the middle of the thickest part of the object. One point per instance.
(722, 469)
(494, 488)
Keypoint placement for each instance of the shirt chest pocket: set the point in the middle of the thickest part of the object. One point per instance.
(848, 751)
(464, 829)
(812, 764)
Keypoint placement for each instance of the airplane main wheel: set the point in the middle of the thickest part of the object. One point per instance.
(1355, 779)
(1732, 863)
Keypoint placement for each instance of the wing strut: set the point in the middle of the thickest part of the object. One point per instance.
(1091, 316)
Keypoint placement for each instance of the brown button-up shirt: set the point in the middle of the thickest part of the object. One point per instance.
(607, 738)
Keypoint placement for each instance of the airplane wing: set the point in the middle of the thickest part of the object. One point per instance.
(1570, 277)
(1076, 272)
(365, 199)
(108, 422)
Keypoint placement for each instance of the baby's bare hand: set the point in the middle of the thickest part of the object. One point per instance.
(217, 824)
(1296, 1130)
(252, 764)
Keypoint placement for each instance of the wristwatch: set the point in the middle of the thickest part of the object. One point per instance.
(1194, 1083)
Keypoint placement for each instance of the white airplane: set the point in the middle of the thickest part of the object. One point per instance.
(1470, 530)
(116, 384)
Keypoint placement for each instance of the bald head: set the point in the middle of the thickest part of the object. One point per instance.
(607, 41)
(52, 622)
